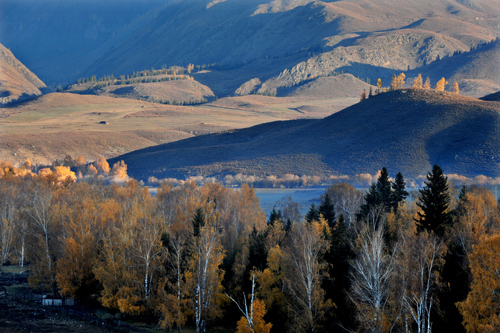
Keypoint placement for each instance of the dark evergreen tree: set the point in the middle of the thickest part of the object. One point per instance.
(257, 253)
(372, 199)
(434, 201)
(399, 193)
(198, 221)
(312, 214)
(338, 256)
(275, 216)
(327, 209)
(384, 188)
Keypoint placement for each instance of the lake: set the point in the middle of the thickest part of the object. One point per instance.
(303, 196)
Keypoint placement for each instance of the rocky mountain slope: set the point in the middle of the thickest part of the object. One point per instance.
(16, 81)
(276, 43)
(405, 130)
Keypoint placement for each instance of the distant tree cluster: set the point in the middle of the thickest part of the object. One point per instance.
(398, 82)
(146, 76)
(205, 256)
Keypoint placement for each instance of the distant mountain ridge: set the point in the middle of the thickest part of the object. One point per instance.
(406, 130)
(282, 43)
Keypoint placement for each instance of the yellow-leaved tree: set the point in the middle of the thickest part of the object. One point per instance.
(418, 82)
(441, 84)
(480, 309)
(398, 82)
(258, 323)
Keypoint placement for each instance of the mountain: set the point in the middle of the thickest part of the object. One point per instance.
(277, 43)
(287, 43)
(405, 130)
(17, 82)
(59, 39)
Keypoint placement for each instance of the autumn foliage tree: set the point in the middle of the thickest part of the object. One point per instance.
(480, 309)
(304, 271)
(418, 82)
(398, 81)
(441, 84)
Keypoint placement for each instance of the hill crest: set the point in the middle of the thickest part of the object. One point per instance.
(406, 130)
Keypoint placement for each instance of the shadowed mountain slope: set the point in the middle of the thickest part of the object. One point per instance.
(405, 130)
(302, 40)
(16, 81)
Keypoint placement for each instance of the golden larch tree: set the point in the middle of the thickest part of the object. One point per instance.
(418, 82)
(398, 82)
(427, 83)
(441, 84)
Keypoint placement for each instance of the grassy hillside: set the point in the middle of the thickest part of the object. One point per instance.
(57, 124)
(167, 86)
(16, 81)
(406, 130)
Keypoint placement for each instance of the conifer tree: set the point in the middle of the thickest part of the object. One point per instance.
(198, 221)
(417, 82)
(384, 188)
(372, 199)
(275, 216)
(399, 193)
(427, 84)
(328, 210)
(312, 214)
(456, 89)
(441, 84)
(434, 200)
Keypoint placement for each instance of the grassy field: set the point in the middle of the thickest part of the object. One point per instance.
(57, 124)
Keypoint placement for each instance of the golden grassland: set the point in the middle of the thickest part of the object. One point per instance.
(57, 124)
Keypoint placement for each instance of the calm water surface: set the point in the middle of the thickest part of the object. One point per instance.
(304, 197)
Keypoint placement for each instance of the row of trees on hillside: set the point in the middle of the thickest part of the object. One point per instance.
(206, 255)
(398, 82)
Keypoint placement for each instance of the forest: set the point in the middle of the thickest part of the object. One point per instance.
(207, 256)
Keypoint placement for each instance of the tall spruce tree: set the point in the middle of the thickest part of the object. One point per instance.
(372, 199)
(198, 221)
(379, 193)
(312, 214)
(384, 187)
(327, 209)
(434, 201)
(399, 192)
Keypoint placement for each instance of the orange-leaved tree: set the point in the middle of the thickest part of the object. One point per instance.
(480, 309)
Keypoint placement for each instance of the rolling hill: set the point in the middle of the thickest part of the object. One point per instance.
(405, 130)
(17, 82)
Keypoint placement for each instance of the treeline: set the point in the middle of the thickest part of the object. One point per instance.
(206, 255)
(398, 82)
(145, 76)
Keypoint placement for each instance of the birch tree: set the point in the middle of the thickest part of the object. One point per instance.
(304, 273)
(9, 214)
(420, 260)
(204, 275)
(371, 276)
